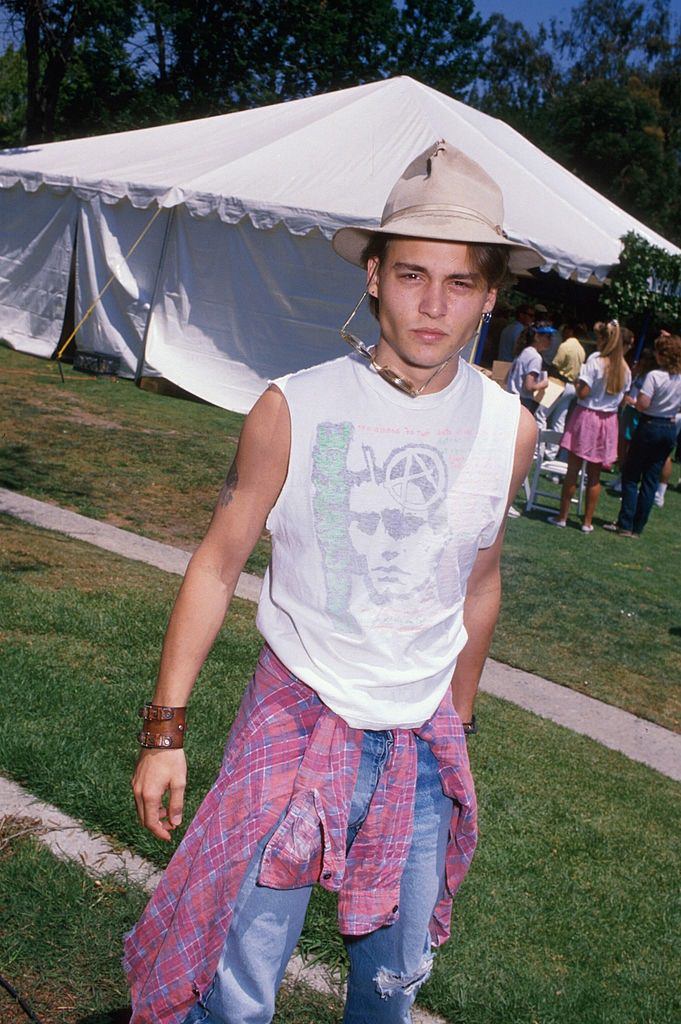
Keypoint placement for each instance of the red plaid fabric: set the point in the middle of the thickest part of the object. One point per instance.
(290, 760)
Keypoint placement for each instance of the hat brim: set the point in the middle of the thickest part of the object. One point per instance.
(350, 243)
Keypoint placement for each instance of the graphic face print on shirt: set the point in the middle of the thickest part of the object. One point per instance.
(382, 522)
(393, 512)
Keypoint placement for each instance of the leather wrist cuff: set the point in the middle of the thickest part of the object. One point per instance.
(163, 727)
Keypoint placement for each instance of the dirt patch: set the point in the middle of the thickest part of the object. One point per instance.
(52, 1005)
(89, 419)
(74, 412)
(13, 827)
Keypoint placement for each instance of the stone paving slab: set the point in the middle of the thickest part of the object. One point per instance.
(619, 730)
(68, 839)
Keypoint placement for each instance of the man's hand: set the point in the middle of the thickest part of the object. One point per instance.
(160, 772)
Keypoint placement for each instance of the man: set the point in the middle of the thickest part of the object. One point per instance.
(384, 477)
(508, 338)
(567, 363)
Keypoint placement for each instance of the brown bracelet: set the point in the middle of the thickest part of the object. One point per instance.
(470, 728)
(163, 728)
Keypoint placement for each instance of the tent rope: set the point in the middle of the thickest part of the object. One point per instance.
(112, 278)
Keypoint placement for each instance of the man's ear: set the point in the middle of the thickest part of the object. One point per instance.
(372, 276)
(490, 301)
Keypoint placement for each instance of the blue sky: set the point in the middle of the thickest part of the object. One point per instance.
(528, 11)
(531, 13)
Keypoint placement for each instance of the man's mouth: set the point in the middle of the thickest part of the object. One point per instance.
(429, 333)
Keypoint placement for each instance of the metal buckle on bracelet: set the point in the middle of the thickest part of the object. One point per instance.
(157, 712)
(152, 740)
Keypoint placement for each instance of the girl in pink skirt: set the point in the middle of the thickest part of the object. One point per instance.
(591, 430)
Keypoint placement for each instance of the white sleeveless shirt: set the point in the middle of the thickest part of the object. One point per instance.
(386, 503)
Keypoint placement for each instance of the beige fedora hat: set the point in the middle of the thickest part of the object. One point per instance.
(445, 196)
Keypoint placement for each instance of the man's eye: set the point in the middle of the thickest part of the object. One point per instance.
(367, 521)
(461, 284)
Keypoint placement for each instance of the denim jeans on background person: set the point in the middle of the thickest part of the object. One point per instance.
(387, 966)
(648, 451)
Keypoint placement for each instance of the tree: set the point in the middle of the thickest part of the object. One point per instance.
(439, 42)
(517, 77)
(54, 31)
(12, 96)
(611, 135)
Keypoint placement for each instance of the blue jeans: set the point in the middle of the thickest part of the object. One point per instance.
(387, 966)
(650, 446)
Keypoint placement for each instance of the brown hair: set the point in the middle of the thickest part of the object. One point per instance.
(609, 338)
(668, 352)
(490, 261)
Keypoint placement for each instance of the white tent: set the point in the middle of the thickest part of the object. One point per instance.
(235, 281)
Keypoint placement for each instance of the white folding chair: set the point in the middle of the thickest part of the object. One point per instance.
(544, 467)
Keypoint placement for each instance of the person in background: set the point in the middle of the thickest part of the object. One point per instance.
(527, 378)
(555, 339)
(591, 430)
(566, 364)
(658, 403)
(508, 338)
(629, 414)
(668, 468)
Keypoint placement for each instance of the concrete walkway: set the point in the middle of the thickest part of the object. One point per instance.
(634, 737)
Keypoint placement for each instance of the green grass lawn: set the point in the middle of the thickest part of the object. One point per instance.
(596, 613)
(570, 912)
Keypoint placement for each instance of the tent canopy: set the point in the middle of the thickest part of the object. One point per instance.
(330, 161)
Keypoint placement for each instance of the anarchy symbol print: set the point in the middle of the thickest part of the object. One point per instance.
(415, 477)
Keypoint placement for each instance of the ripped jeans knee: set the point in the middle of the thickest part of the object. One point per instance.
(389, 983)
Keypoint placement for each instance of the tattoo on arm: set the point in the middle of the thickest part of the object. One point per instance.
(229, 486)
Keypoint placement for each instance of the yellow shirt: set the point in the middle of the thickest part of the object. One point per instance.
(569, 358)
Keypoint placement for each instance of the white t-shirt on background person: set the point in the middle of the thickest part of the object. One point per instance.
(664, 391)
(594, 373)
(529, 361)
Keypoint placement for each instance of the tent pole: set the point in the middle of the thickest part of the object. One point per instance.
(154, 295)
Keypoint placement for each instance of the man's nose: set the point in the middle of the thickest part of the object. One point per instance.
(433, 300)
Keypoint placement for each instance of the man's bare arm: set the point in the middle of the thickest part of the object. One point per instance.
(249, 492)
(483, 592)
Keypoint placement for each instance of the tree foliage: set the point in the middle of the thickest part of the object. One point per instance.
(57, 34)
(647, 279)
(602, 95)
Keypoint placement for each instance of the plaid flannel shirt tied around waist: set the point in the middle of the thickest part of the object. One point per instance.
(290, 766)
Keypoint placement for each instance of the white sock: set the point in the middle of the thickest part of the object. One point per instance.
(661, 488)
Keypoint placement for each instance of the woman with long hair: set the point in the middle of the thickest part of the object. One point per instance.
(591, 430)
(658, 402)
